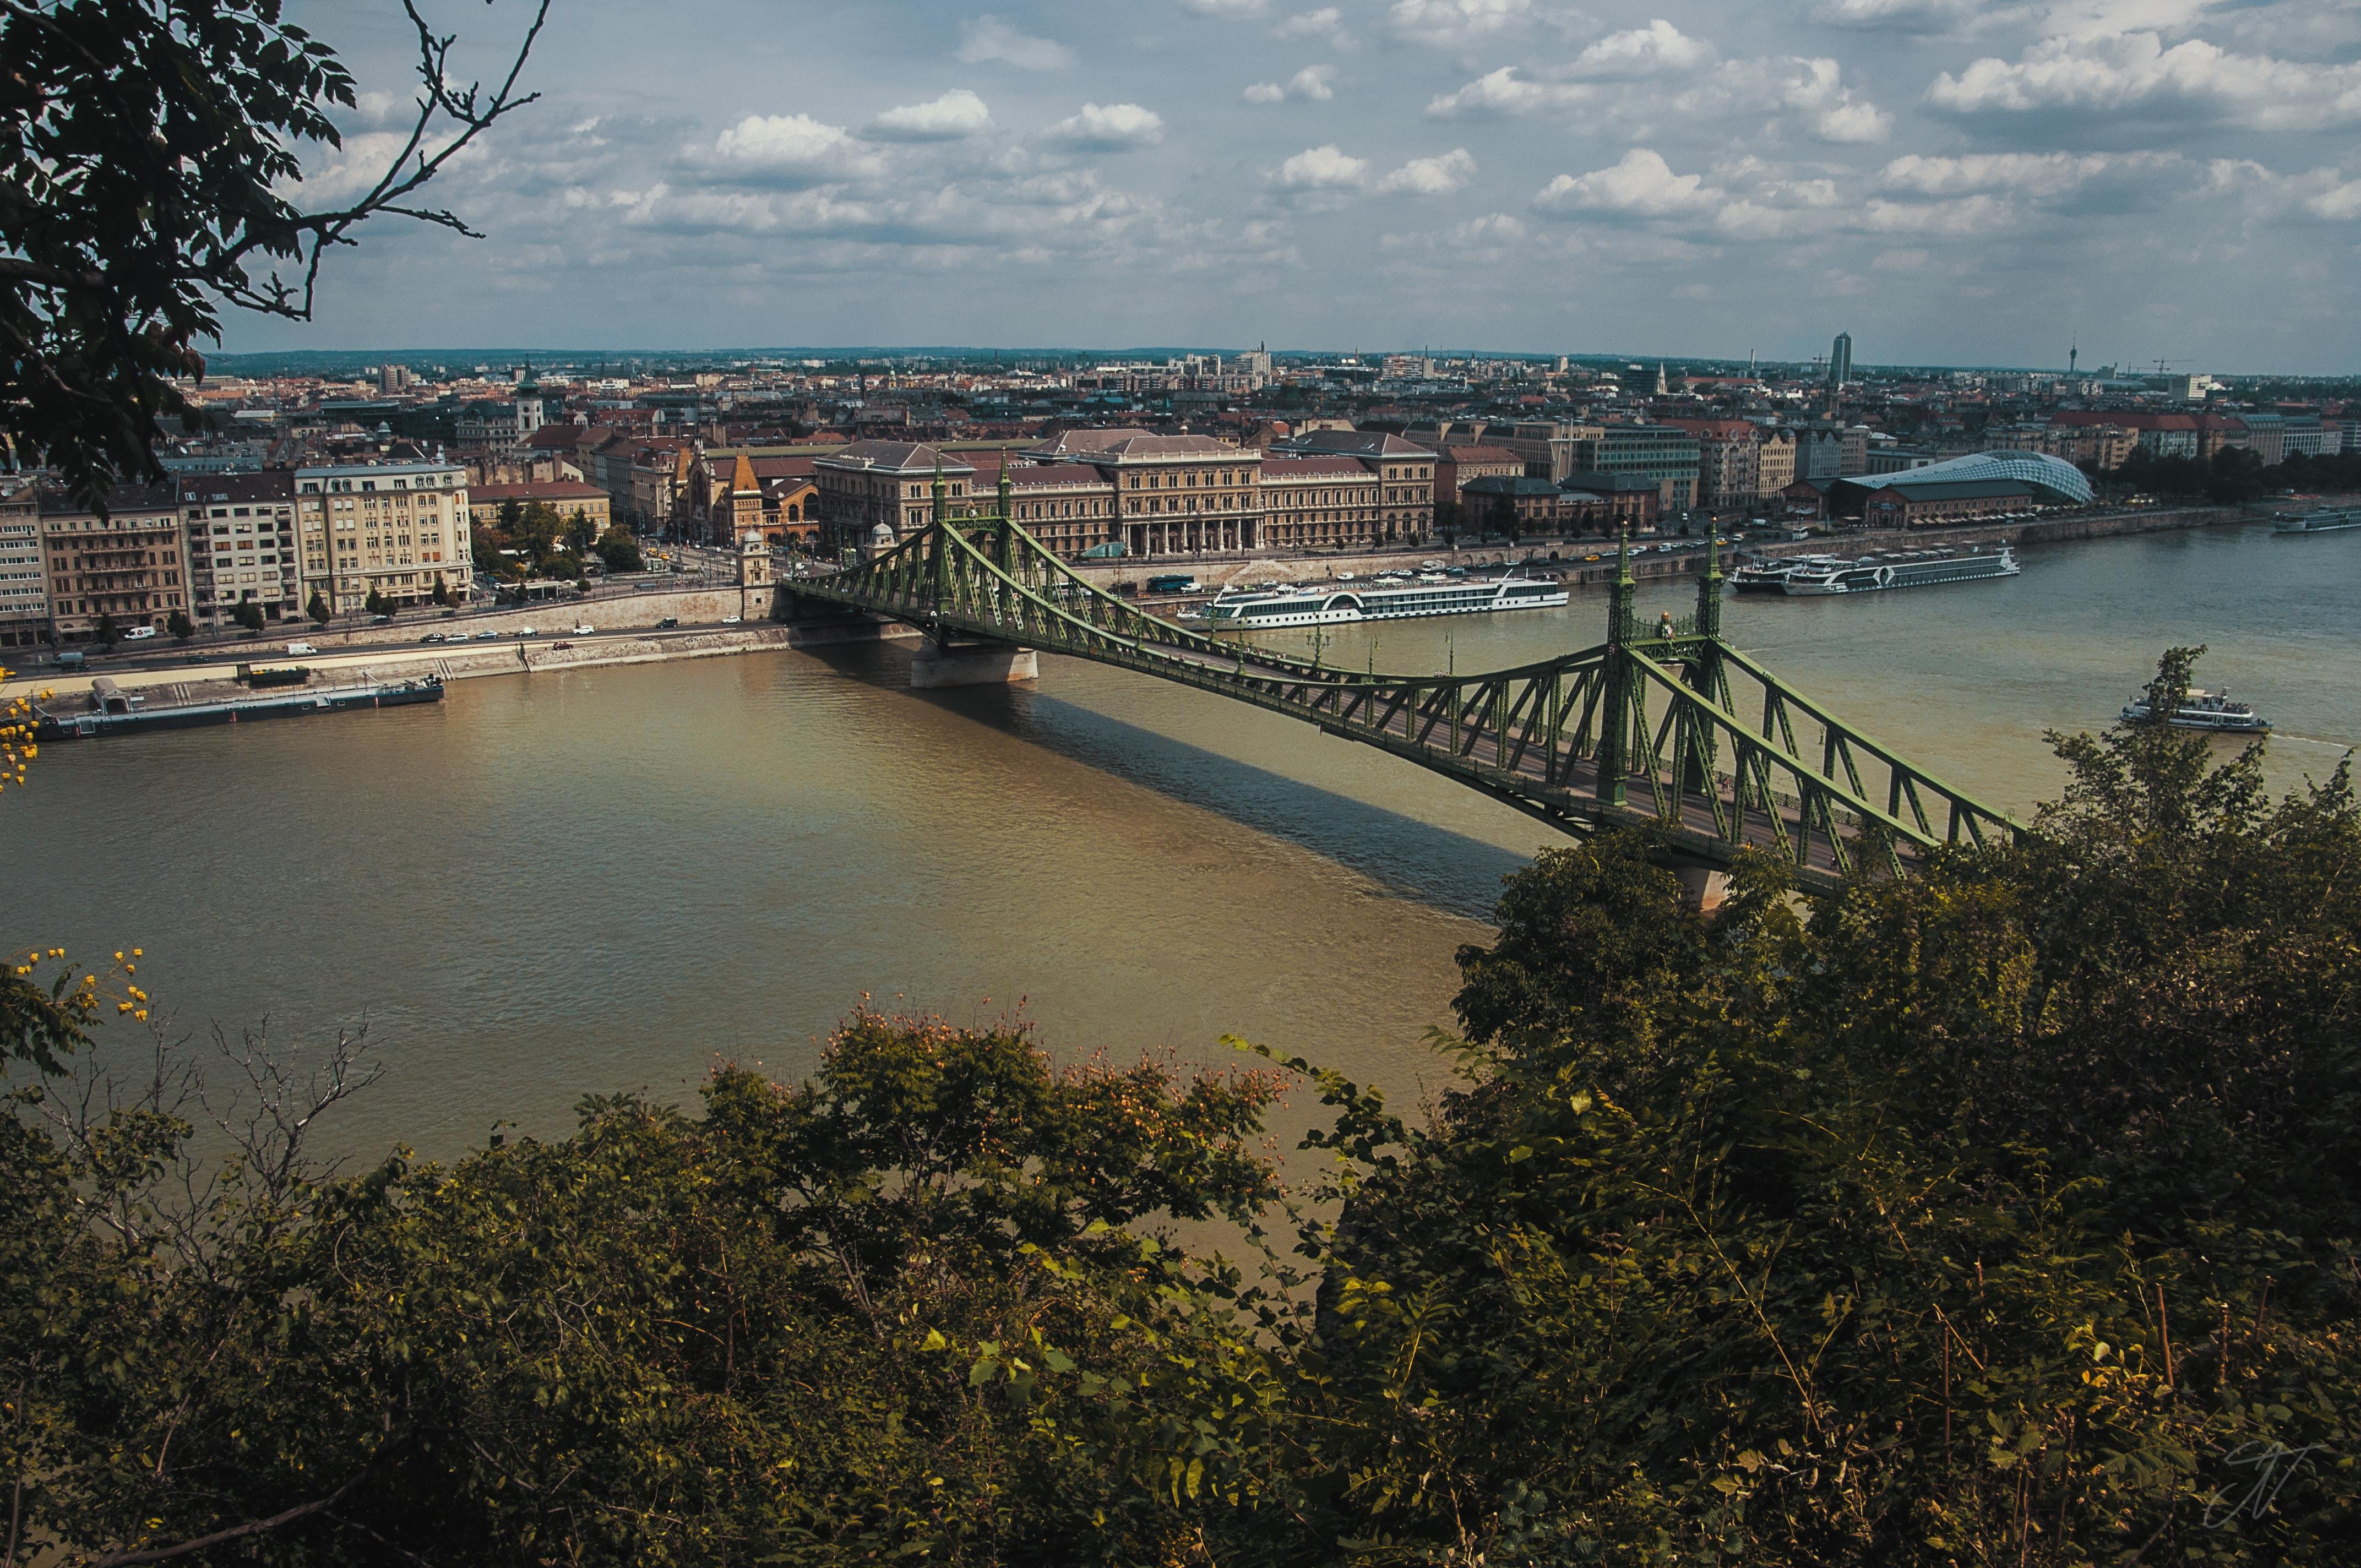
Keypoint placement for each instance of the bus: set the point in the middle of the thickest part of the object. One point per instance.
(1159, 586)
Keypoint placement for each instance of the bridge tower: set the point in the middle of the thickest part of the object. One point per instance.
(944, 660)
(1615, 692)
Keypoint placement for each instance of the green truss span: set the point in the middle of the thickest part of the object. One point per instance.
(1667, 727)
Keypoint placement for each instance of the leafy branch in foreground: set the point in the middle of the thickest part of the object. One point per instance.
(145, 145)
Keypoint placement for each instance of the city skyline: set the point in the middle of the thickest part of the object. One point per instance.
(1952, 187)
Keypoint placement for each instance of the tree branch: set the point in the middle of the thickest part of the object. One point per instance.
(239, 1533)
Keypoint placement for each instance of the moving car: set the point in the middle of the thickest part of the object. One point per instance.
(667, 622)
(730, 620)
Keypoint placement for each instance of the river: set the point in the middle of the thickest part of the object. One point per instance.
(570, 884)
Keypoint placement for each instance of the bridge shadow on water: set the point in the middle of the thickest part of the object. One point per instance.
(1409, 857)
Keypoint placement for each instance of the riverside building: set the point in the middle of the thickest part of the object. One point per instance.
(395, 528)
(241, 541)
(24, 586)
(126, 569)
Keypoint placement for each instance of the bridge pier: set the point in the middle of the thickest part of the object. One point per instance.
(990, 665)
(1702, 888)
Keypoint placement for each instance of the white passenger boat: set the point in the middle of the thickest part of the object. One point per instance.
(1770, 577)
(2205, 710)
(2328, 519)
(1905, 569)
(1318, 605)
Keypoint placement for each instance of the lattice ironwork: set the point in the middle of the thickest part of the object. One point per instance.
(1666, 725)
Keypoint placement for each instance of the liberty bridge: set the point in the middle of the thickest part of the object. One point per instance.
(1668, 727)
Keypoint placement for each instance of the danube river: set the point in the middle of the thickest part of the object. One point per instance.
(572, 884)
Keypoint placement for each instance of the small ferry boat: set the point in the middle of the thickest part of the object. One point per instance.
(2205, 710)
(2329, 520)
(1771, 576)
(1904, 569)
(1317, 605)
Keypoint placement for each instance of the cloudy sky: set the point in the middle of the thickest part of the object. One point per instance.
(1951, 181)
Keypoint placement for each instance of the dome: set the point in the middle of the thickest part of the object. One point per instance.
(2062, 482)
(881, 536)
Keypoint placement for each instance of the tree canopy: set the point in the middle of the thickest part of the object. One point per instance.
(147, 146)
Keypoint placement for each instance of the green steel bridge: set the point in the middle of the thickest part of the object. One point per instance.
(1666, 727)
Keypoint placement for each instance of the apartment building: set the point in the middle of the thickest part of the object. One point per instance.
(1727, 472)
(241, 544)
(394, 529)
(565, 496)
(128, 568)
(1665, 454)
(24, 584)
(1774, 463)
(1314, 501)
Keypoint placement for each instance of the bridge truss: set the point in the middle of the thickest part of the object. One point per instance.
(1667, 727)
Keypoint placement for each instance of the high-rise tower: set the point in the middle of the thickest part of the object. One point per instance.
(1840, 360)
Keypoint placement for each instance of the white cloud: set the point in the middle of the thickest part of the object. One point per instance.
(2338, 204)
(956, 115)
(1642, 185)
(1108, 127)
(1813, 89)
(1900, 16)
(1438, 176)
(990, 38)
(2134, 72)
(1492, 228)
(1321, 169)
(785, 149)
(1650, 50)
(1223, 7)
(1455, 23)
(2037, 174)
(1854, 122)
(1313, 81)
(1503, 92)
(1325, 23)
(1966, 216)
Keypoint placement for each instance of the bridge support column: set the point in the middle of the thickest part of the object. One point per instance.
(934, 666)
(1702, 888)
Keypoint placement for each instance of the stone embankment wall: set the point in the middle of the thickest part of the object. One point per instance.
(550, 617)
(455, 661)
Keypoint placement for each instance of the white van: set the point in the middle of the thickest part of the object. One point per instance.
(137, 633)
(301, 648)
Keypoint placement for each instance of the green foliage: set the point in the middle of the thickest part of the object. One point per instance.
(377, 603)
(106, 634)
(442, 594)
(580, 532)
(318, 609)
(249, 615)
(179, 624)
(619, 548)
(2004, 1214)
(901, 1311)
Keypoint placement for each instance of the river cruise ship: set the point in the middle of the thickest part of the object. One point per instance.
(2205, 710)
(1771, 576)
(2329, 520)
(1322, 605)
(1903, 569)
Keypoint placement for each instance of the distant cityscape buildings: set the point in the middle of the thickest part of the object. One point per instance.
(389, 487)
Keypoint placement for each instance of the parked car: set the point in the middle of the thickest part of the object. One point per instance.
(381, 621)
